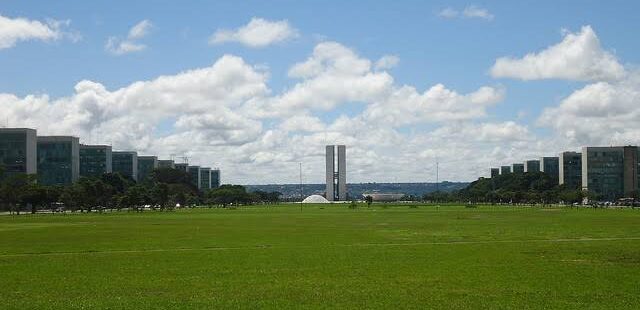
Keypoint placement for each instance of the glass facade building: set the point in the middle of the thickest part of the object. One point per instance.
(505, 169)
(517, 168)
(95, 160)
(205, 178)
(58, 160)
(570, 170)
(550, 166)
(146, 165)
(215, 178)
(125, 163)
(181, 167)
(18, 151)
(610, 172)
(62, 160)
(194, 175)
(532, 166)
(495, 172)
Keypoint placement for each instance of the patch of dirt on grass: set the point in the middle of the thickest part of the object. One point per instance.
(575, 261)
(623, 259)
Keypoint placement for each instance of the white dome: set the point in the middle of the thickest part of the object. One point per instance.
(315, 199)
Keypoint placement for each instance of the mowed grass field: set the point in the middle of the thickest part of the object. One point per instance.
(324, 257)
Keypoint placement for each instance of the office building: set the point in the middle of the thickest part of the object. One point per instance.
(517, 168)
(610, 172)
(495, 172)
(505, 169)
(631, 175)
(532, 166)
(125, 163)
(146, 165)
(205, 178)
(62, 160)
(336, 179)
(95, 160)
(181, 167)
(18, 151)
(551, 166)
(342, 172)
(570, 170)
(330, 172)
(215, 178)
(58, 160)
(166, 163)
(194, 175)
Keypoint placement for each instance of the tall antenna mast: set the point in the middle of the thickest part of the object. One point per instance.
(301, 186)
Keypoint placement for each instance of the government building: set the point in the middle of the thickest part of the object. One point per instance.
(62, 160)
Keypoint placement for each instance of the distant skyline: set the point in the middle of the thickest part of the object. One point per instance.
(256, 87)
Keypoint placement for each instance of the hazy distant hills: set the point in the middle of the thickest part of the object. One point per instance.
(355, 190)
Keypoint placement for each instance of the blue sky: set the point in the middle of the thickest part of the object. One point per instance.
(458, 52)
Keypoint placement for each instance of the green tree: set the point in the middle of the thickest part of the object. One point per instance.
(369, 200)
(266, 197)
(118, 182)
(228, 194)
(529, 187)
(170, 176)
(13, 188)
(53, 196)
(136, 197)
(71, 197)
(34, 196)
(160, 195)
(570, 196)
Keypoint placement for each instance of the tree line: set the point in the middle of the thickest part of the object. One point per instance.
(165, 189)
(529, 188)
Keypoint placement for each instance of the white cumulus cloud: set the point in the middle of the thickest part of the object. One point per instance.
(130, 44)
(215, 115)
(258, 32)
(579, 56)
(387, 62)
(302, 123)
(601, 113)
(14, 30)
(334, 74)
(406, 105)
(201, 104)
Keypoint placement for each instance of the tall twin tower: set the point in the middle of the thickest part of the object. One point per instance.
(336, 178)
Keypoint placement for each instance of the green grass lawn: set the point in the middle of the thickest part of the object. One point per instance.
(323, 257)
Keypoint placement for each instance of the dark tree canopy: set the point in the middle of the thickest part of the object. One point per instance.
(166, 189)
(529, 187)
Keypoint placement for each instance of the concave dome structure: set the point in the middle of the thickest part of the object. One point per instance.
(315, 199)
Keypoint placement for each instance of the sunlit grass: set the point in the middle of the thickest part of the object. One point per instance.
(323, 256)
